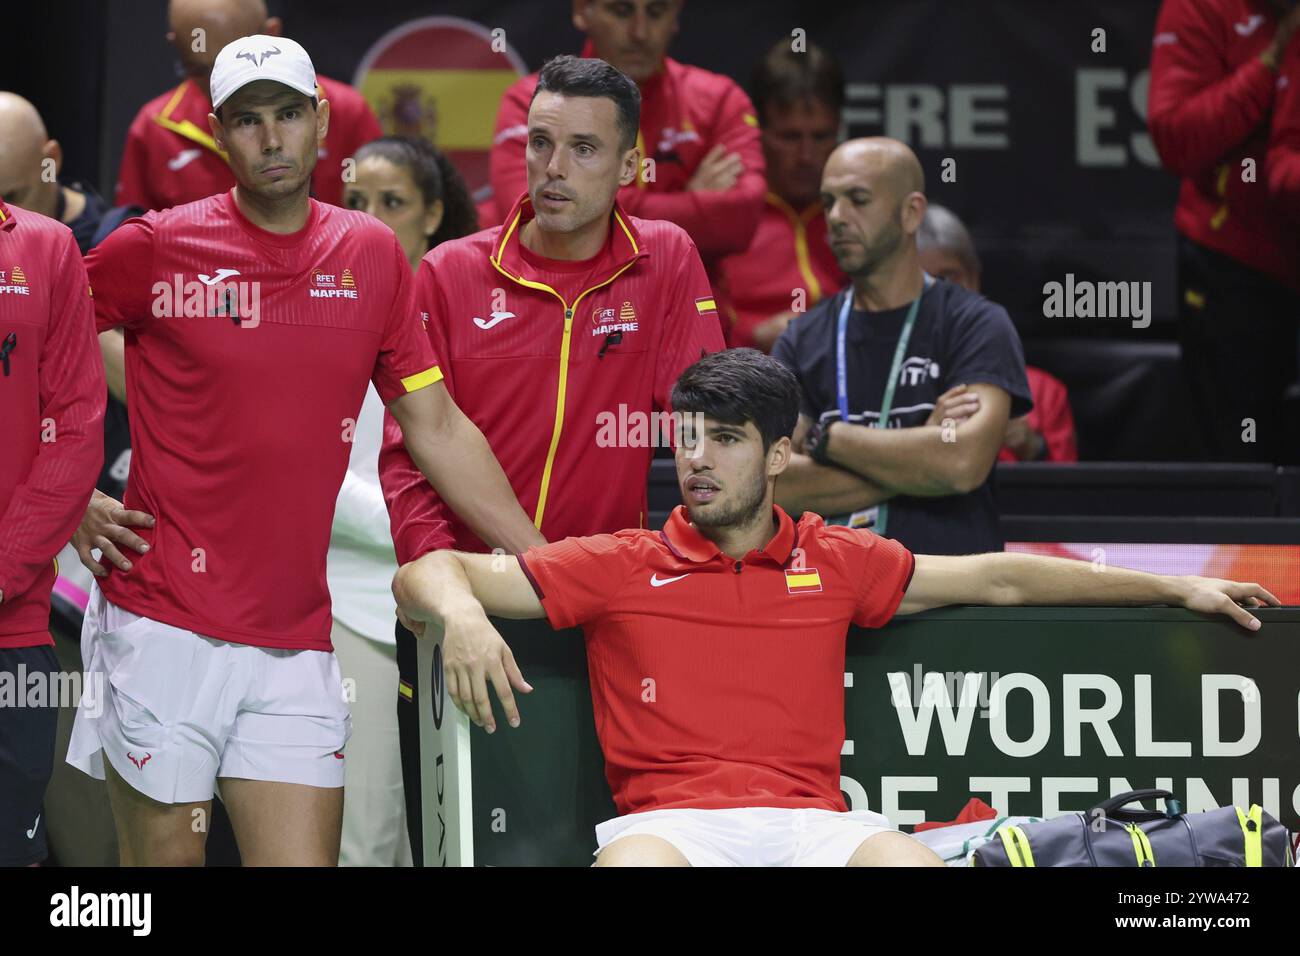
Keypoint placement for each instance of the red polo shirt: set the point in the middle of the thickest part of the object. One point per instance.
(171, 159)
(719, 682)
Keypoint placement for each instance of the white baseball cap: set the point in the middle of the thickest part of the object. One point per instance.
(259, 57)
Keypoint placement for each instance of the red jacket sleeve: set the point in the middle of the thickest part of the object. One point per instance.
(1197, 111)
(133, 173)
(506, 168)
(1055, 420)
(417, 516)
(45, 509)
(1283, 162)
(692, 327)
(720, 222)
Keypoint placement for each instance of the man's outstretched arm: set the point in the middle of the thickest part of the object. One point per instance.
(457, 592)
(453, 454)
(1017, 579)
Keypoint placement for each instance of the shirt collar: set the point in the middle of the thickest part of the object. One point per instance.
(625, 244)
(688, 543)
(6, 216)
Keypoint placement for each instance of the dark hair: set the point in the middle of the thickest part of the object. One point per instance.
(588, 76)
(738, 386)
(436, 177)
(784, 76)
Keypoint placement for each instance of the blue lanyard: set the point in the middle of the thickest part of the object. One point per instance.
(887, 402)
(841, 366)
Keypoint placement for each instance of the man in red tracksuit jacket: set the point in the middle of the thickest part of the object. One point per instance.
(698, 127)
(1215, 93)
(170, 157)
(52, 432)
(561, 332)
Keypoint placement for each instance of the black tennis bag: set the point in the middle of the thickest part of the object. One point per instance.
(1110, 835)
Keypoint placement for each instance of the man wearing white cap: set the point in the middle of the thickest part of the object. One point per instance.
(254, 320)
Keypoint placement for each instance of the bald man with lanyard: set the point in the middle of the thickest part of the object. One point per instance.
(873, 360)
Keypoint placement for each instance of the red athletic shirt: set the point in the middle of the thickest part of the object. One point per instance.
(789, 253)
(51, 413)
(685, 112)
(1050, 417)
(1210, 107)
(240, 432)
(561, 418)
(718, 682)
(171, 159)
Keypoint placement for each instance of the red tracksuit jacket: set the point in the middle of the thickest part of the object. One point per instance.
(519, 340)
(1284, 139)
(1210, 106)
(685, 112)
(51, 413)
(171, 159)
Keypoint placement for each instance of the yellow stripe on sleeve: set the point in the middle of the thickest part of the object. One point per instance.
(428, 377)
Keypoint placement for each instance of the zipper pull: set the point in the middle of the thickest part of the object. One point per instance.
(10, 343)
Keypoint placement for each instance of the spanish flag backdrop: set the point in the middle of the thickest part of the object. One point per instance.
(442, 78)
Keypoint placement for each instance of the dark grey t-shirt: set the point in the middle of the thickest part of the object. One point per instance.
(959, 337)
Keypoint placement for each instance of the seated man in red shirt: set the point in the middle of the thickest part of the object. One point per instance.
(788, 267)
(1047, 432)
(735, 757)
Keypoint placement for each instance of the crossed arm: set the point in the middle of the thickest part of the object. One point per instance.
(871, 465)
(458, 592)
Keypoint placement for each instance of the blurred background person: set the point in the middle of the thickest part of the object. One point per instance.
(698, 127)
(170, 157)
(1214, 89)
(415, 190)
(799, 97)
(947, 251)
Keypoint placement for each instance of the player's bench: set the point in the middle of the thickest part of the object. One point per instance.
(1036, 710)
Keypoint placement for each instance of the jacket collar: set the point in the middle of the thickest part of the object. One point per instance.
(686, 542)
(624, 247)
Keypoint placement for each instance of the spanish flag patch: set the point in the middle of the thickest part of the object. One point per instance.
(705, 305)
(805, 579)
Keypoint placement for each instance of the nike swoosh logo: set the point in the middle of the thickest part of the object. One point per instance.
(221, 274)
(31, 834)
(183, 159)
(658, 582)
(497, 318)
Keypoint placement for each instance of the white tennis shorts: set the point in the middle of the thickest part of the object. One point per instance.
(182, 710)
(752, 836)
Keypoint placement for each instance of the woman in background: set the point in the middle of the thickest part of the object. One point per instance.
(416, 191)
